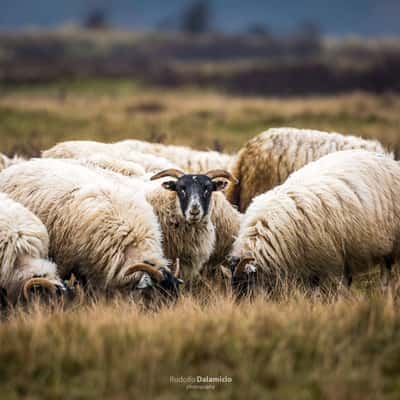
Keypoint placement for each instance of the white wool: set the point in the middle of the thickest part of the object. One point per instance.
(94, 223)
(23, 247)
(341, 208)
(112, 153)
(268, 159)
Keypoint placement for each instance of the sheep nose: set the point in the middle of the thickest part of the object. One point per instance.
(195, 209)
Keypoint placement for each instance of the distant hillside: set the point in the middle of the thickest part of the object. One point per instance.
(361, 17)
(246, 64)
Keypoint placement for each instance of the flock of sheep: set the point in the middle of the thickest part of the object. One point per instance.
(135, 216)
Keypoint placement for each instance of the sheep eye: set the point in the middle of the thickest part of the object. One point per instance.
(183, 192)
(205, 193)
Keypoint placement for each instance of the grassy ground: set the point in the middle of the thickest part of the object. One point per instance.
(294, 347)
(33, 118)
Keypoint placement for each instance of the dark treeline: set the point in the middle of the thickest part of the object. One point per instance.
(249, 64)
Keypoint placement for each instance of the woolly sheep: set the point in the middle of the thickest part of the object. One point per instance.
(335, 216)
(198, 223)
(152, 156)
(112, 152)
(269, 158)
(24, 243)
(105, 231)
(185, 158)
(206, 241)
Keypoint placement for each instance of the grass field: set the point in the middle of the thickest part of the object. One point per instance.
(297, 346)
(33, 118)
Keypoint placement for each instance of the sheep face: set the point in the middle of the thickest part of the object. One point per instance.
(243, 275)
(194, 191)
(159, 281)
(167, 287)
(194, 195)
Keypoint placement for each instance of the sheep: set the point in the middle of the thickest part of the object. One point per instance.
(334, 217)
(117, 152)
(199, 243)
(97, 227)
(107, 163)
(24, 263)
(269, 158)
(197, 222)
(152, 156)
(185, 158)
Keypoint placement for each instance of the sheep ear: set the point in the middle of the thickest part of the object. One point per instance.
(219, 185)
(226, 272)
(169, 185)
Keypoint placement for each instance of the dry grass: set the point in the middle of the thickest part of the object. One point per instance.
(36, 117)
(295, 347)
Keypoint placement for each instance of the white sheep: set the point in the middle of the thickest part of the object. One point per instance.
(152, 156)
(334, 217)
(97, 227)
(198, 224)
(204, 240)
(24, 243)
(269, 158)
(185, 158)
(106, 153)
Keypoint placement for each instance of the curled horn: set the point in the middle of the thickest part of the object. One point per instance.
(177, 268)
(242, 263)
(43, 282)
(175, 173)
(140, 267)
(221, 173)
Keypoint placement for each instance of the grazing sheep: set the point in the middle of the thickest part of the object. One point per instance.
(152, 156)
(110, 152)
(189, 160)
(269, 158)
(97, 227)
(334, 217)
(196, 243)
(107, 163)
(24, 242)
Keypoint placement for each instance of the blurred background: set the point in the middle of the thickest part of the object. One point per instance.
(209, 73)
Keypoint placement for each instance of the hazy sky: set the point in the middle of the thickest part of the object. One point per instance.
(365, 17)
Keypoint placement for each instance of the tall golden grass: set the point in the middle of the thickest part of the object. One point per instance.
(297, 345)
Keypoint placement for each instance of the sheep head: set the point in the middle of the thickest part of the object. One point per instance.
(194, 190)
(45, 288)
(161, 279)
(243, 274)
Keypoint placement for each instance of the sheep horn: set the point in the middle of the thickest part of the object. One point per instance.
(221, 173)
(177, 268)
(175, 173)
(140, 267)
(40, 282)
(242, 264)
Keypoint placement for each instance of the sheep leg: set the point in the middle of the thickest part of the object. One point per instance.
(386, 270)
(347, 277)
(346, 280)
